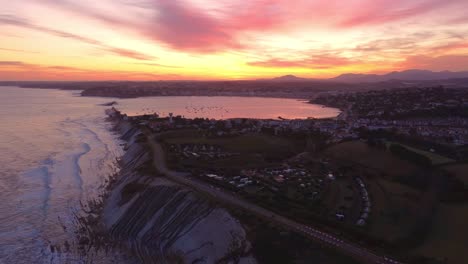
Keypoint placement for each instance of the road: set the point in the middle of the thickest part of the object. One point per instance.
(348, 248)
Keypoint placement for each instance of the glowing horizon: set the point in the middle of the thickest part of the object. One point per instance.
(228, 39)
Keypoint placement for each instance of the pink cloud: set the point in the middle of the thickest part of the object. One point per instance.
(450, 47)
(440, 63)
(384, 11)
(185, 27)
(459, 20)
(218, 25)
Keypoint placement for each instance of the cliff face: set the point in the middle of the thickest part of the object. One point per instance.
(163, 222)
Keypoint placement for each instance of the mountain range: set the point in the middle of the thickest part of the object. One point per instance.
(408, 75)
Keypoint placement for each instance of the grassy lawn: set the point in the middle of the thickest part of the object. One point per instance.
(459, 170)
(341, 193)
(359, 152)
(330, 199)
(251, 150)
(448, 238)
(435, 158)
(234, 162)
(176, 134)
(393, 207)
(240, 161)
(243, 144)
(248, 146)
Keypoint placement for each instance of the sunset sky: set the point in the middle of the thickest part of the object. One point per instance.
(227, 39)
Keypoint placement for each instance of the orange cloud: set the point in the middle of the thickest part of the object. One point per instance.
(17, 70)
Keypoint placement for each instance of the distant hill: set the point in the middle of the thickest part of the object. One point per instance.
(290, 78)
(408, 75)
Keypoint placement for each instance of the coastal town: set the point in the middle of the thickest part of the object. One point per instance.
(435, 114)
(357, 175)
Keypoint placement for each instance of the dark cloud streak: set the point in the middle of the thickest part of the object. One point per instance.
(15, 21)
(18, 50)
(15, 70)
(75, 7)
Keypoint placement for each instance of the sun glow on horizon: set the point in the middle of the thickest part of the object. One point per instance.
(225, 39)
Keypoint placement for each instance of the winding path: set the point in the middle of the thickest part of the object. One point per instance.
(357, 252)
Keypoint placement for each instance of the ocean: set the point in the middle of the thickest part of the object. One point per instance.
(57, 151)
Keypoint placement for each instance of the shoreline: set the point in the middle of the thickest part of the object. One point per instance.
(266, 95)
(350, 249)
(114, 210)
(112, 226)
(298, 98)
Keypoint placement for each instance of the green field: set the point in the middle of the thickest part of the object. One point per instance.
(254, 150)
(436, 159)
(459, 170)
(394, 205)
(336, 199)
(242, 144)
(381, 160)
(448, 238)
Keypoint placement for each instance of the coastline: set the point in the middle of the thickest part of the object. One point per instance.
(196, 216)
(202, 227)
(55, 159)
(129, 89)
(305, 97)
(145, 175)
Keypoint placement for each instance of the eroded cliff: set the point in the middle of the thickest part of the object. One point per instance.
(164, 222)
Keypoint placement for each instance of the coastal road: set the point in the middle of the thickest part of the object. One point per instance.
(348, 248)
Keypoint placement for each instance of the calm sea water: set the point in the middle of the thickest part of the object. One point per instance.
(56, 151)
(225, 107)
